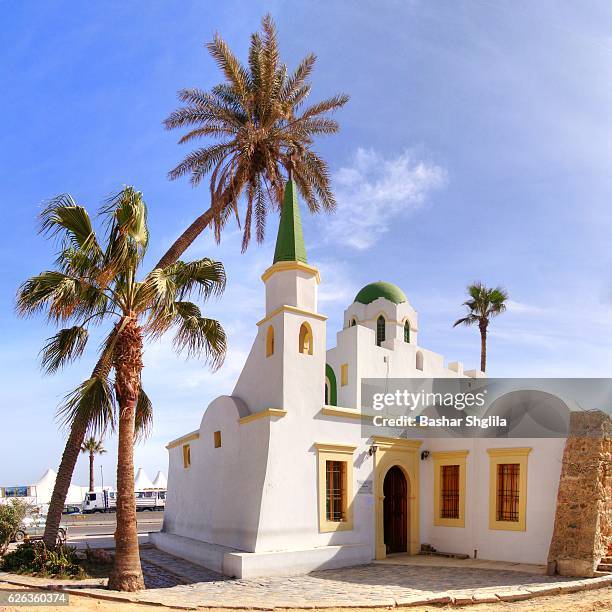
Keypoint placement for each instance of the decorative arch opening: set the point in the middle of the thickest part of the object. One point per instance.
(331, 398)
(407, 332)
(380, 330)
(353, 322)
(419, 361)
(305, 341)
(270, 341)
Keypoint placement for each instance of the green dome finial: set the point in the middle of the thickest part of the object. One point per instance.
(381, 289)
(290, 240)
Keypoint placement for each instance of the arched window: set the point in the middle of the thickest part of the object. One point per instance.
(407, 331)
(270, 341)
(380, 330)
(305, 339)
(419, 361)
(353, 322)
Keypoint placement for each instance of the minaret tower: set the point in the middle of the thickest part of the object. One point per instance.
(287, 360)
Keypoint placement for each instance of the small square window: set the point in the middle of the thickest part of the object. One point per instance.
(217, 437)
(186, 455)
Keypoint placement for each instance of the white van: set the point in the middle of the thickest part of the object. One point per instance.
(100, 501)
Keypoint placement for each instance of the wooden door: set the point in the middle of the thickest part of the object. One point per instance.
(395, 511)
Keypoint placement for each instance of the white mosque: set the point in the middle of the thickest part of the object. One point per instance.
(278, 478)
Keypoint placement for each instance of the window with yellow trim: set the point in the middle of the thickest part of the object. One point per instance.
(305, 341)
(335, 485)
(508, 488)
(449, 488)
(186, 455)
(344, 375)
(270, 341)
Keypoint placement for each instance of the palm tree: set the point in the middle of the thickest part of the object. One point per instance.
(483, 304)
(283, 139)
(260, 130)
(93, 447)
(96, 281)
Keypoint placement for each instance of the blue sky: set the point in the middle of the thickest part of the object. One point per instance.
(477, 144)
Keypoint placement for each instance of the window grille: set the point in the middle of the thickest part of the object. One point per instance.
(335, 491)
(449, 492)
(380, 330)
(508, 491)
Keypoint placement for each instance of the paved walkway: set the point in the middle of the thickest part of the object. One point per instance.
(178, 583)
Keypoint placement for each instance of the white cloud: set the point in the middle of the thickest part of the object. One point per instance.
(373, 190)
(522, 308)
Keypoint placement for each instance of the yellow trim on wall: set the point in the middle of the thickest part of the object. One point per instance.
(518, 455)
(262, 414)
(405, 454)
(294, 310)
(284, 266)
(344, 375)
(328, 451)
(194, 435)
(349, 413)
(440, 459)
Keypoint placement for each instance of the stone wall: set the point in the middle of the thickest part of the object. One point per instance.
(583, 522)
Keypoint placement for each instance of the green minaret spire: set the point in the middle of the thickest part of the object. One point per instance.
(290, 240)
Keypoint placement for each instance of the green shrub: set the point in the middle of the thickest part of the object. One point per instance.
(35, 558)
(11, 515)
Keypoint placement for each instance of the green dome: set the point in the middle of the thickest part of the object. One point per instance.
(381, 289)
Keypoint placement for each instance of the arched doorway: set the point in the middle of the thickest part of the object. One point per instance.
(395, 511)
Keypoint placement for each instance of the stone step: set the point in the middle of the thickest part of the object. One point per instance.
(604, 567)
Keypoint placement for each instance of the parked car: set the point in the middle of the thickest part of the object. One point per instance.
(33, 528)
(71, 510)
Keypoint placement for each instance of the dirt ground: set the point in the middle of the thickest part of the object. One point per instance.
(586, 601)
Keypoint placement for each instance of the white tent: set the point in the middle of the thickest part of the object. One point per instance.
(43, 489)
(142, 481)
(160, 481)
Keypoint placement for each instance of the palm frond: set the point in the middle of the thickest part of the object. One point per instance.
(144, 416)
(63, 218)
(199, 336)
(92, 404)
(63, 296)
(64, 347)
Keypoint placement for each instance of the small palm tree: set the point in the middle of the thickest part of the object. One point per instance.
(483, 305)
(93, 447)
(97, 281)
(261, 130)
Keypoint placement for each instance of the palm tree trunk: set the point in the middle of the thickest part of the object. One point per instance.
(62, 482)
(127, 572)
(91, 471)
(483, 345)
(78, 429)
(185, 239)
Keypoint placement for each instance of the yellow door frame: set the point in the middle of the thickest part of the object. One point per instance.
(405, 454)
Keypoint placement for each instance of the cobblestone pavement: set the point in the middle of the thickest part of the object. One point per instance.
(373, 584)
(174, 582)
